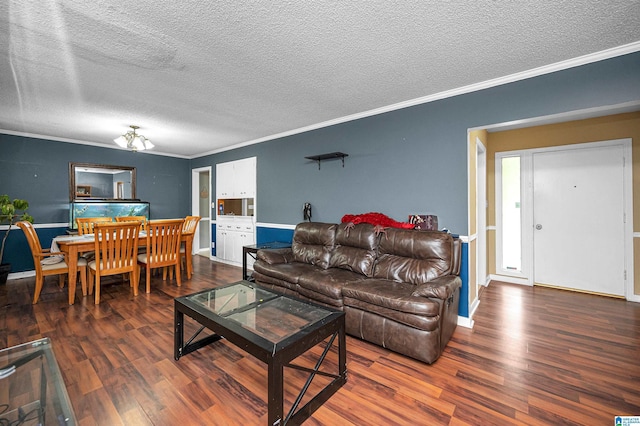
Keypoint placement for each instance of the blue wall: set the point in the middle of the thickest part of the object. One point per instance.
(38, 171)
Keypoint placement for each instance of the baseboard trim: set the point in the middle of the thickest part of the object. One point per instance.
(465, 322)
(18, 275)
(510, 280)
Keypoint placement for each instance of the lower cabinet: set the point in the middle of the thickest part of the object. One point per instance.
(231, 237)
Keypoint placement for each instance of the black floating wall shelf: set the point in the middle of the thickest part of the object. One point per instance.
(330, 156)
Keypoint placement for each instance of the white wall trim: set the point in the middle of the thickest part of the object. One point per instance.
(39, 225)
(510, 280)
(23, 274)
(580, 114)
(195, 208)
(474, 307)
(275, 225)
(634, 298)
(80, 142)
(465, 322)
(535, 72)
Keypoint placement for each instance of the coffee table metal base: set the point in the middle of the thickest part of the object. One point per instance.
(276, 361)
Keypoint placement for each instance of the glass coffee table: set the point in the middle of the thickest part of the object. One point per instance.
(32, 391)
(272, 327)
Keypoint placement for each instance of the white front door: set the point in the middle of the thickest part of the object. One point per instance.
(578, 203)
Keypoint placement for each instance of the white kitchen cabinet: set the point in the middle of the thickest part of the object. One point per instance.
(244, 172)
(236, 179)
(231, 235)
(222, 242)
(225, 180)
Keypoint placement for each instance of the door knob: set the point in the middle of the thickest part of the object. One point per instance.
(538, 227)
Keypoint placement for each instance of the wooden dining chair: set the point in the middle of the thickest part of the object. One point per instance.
(86, 224)
(116, 248)
(162, 248)
(142, 219)
(188, 230)
(61, 269)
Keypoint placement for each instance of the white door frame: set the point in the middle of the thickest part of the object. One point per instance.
(481, 215)
(527, 210)
(195, 206)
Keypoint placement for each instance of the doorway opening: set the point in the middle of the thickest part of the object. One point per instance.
(201, 206)
(561, 216)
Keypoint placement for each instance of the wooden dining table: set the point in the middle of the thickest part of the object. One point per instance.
(74, 245)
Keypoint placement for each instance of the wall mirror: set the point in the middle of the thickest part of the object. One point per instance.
(101, 182)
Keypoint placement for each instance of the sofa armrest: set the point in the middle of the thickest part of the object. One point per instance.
(440, 288)
(275, 256)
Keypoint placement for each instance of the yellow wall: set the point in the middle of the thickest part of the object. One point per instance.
(619, 126)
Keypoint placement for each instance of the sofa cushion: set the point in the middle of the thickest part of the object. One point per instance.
(290, 272)
(328, 282)
(313, 242)
(272, 256)
(440, 288)
(392, 295)
(355, 249)
(413, 256)
(277, 284)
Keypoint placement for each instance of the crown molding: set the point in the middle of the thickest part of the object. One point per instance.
(524, 75)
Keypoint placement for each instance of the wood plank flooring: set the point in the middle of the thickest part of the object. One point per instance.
(536, 356)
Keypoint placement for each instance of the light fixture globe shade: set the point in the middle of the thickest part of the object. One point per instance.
(121, 141)
(133, 141)
(140, 143)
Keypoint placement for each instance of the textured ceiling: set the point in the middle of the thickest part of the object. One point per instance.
(199, 76)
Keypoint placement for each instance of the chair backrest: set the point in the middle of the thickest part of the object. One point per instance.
(34, 243)
(141, 219)
(190, 224)
(163, 241)
(116, 246)
(32, 239)
(85, 224)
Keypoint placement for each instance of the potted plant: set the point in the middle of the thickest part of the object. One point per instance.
(10, 212)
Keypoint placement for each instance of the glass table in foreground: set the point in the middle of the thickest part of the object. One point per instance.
(274, 328)
(32, 391)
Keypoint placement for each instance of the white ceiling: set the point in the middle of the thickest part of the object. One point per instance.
(202, 76)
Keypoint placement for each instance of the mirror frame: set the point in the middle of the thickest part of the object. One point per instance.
(110, 168)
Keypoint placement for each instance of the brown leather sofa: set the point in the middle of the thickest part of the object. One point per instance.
(399, 289)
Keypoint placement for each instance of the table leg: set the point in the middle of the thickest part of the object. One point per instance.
(342, 349)
(188, 248)
(244, 263)
(178, 333)
(73, 272)
(275, 392)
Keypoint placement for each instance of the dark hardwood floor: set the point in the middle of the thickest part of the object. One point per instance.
(536, 356)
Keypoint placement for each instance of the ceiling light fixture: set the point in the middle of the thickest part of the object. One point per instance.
(133, 141)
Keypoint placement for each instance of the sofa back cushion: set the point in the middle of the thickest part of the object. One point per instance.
(355, 249)
(414, 256)
(313, 242)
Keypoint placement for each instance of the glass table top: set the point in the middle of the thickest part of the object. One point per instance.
(269, 245)
(32, 391)
(269, 315)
